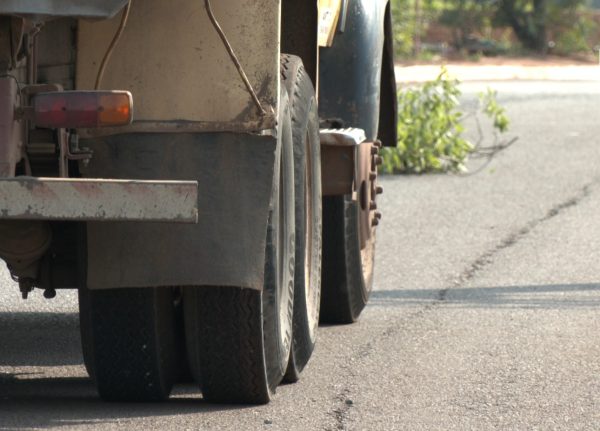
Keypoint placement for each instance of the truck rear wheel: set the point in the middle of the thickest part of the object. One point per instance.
(347, 269)
(239, 340)
(129, 341)
(307, 175)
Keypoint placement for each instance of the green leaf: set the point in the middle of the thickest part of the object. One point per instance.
(430, 129)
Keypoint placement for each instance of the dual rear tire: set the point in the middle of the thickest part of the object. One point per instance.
(241, 343)
(238, 341)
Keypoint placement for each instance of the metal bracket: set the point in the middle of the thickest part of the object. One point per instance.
(338, 155)
(349, 167)
(28, 198)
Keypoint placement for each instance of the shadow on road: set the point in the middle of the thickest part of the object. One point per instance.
(41, 383)
(552, 296)
(39, 339)
(29, 402)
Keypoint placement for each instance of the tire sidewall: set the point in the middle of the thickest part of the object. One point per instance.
(305, 125)
(280, 277)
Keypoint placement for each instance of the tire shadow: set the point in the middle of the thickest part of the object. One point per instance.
(548, 296)
(43, 383)
(39, 339)
(31, 402)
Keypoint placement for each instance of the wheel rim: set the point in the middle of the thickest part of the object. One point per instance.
(367, 255)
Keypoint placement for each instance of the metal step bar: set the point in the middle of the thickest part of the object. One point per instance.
(28, 198)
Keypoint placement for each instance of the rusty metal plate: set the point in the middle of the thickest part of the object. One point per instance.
(338, 156)
(27, 198)
(337, 170)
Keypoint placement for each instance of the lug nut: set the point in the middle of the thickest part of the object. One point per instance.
(373, 176)
(375, 222)
(373, 206)
(378, 160)
(374, 151)
(378, 143)
(379, 190)
(49, 293)
(378, 215)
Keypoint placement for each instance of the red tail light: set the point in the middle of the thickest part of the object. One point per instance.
(83, 109)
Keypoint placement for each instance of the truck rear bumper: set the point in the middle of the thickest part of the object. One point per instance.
(27, 198)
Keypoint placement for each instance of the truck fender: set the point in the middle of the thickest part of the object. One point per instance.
(388, 100)
(357, 81)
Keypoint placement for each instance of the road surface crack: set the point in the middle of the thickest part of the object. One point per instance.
(478, 265)
(340, 413)
(487, 258)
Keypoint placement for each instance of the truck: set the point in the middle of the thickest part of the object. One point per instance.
(203, 172)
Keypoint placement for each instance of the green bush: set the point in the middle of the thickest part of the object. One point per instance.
(430, 129)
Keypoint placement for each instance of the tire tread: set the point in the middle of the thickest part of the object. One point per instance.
(131, 338)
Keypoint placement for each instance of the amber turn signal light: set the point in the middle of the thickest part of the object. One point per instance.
(83, 109)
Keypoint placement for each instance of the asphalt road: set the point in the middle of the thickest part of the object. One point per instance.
(485, 313)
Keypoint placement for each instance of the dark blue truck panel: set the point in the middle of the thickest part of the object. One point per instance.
(357, 82)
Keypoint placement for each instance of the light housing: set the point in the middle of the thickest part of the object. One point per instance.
(82, 109)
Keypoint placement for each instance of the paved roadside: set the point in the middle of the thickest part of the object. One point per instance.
(504, 72)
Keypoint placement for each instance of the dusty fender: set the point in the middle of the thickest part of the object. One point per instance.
(226, 247)
(179, 72)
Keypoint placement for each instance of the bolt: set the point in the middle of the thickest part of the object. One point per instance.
(378, 143)
(373, 176)
(373, 206)
(25, 286)
(379, 190)
(375, 222)
(378, 215)
(378, 160)
(374, 151)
